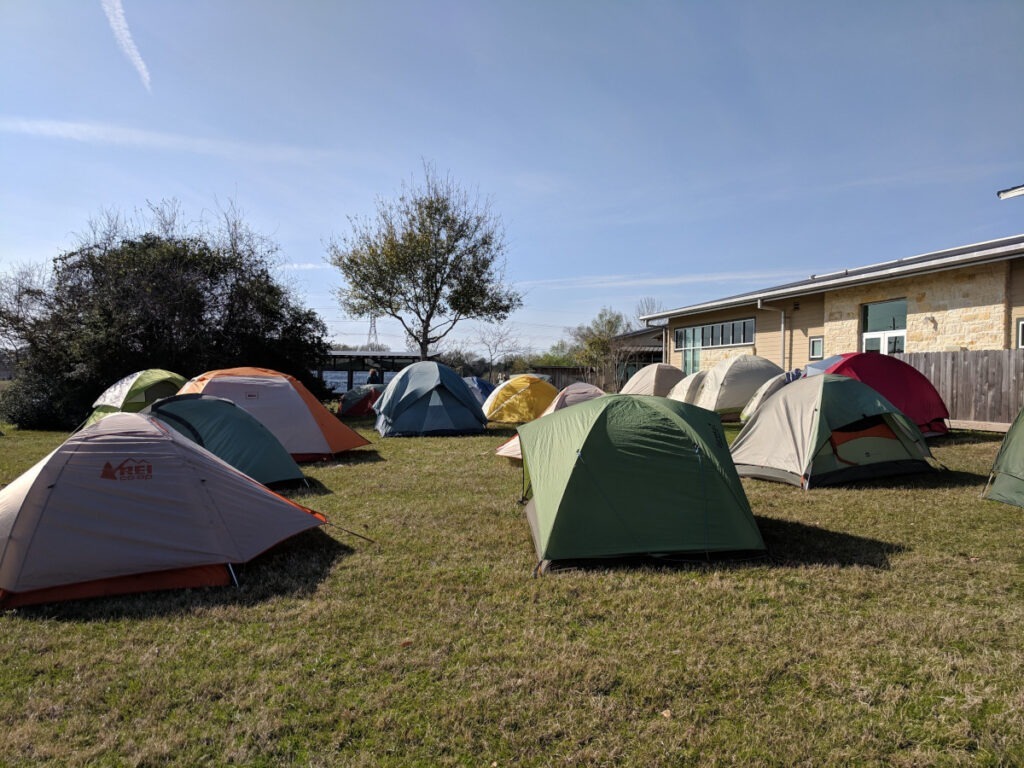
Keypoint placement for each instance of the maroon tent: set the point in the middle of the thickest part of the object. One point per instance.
(898, 382)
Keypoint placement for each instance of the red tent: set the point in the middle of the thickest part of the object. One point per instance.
(898, 382)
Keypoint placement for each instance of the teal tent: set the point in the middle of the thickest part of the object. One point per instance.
(632, 474)
(1006, 480)
(428, 398)
(231, 434)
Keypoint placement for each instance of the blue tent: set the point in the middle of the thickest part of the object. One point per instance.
(480, 388)
(428, 398)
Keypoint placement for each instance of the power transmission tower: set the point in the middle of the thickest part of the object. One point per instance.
(371, 338)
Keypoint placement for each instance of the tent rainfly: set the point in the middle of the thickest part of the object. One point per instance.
(898, 382)
(578, 392)
(730, 384)
(134, 392)
(1006, 480)
(480, 388)
(428, 399)
(630, 475)
(307, 430)
(655, 379)
(829, 429)
(520, 399)
(127, 505)
(229, 433)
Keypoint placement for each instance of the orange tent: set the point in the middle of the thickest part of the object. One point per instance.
(307, 430)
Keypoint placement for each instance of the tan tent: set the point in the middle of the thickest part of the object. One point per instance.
(766, 390)
(128, 505)
(578, 392)
(307, 430)
(654, 379)
(730, 384)
(688, 388)
(829, 429)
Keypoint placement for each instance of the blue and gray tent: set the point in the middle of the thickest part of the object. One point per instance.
(480, 388)
(428, 398)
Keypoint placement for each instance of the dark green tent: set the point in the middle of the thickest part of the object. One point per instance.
(1006, 481)
(230, 433)
(631, 474)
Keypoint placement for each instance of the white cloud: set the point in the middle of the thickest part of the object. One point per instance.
(103, 133)
(305, 267)
(119, 26)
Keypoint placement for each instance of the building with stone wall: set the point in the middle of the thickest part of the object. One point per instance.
(966, 298)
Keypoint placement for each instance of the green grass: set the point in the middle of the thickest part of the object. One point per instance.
(887, 628)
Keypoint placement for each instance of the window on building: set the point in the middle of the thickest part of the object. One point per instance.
(817, 348)
(1020, 333)
(884, 326)
(691, 339)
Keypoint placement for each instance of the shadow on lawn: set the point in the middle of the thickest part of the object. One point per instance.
(294, 568)
(795, 544)
(790, 544)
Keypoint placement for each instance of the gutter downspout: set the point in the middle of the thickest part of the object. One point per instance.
(782, 328)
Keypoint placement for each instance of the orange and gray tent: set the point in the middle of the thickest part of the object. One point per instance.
(128, 505)
(135, 391)
(578, 392)
(654, 379)
(520, 399)
(307, 430)
(829, 429)
(730, 383)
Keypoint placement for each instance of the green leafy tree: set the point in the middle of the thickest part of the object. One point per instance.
(187, 301)
(597, 349)
(429, 259)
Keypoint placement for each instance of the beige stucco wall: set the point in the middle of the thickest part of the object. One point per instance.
(958, 309)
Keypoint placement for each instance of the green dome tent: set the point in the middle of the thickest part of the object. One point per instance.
(829, 429)
(428, 398)
(1006, 480)
(632, 474)
(231, 434)
(134, 392)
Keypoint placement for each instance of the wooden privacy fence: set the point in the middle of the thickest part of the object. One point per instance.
(983, 389)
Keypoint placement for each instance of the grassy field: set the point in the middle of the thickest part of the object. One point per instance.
(886, 628)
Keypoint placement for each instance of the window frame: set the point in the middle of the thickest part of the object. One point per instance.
(1020, 333)
(820, 340)
(714, 333)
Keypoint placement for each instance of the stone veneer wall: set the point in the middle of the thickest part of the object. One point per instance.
(959, 309)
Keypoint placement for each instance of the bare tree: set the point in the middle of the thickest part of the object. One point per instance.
(648, 305)
(23, 293)
(500, 342)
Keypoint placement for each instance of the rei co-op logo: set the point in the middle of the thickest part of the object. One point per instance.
(129, 469)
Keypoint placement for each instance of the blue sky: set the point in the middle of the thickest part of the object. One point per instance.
(683, 151)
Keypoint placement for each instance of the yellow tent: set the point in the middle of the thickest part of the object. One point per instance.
(521, 398)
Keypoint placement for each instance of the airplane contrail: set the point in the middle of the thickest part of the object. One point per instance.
(119, 26)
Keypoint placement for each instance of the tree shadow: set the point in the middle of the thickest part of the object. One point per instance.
(945, 478)
(960, 437)
(294, 568)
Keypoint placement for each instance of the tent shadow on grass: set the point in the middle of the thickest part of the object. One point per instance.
(947, 478)
(294, 568)
(364, 455)
(790, 544)
(798, 544)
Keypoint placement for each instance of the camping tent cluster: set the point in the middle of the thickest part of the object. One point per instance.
(165, 486)
(167, 489)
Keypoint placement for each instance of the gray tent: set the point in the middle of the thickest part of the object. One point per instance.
(829, 429)
(654, 379)
(732, 382)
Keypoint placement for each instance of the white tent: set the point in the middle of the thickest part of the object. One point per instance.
(578, 392)
(654, 379)
(688, 388)
(128, 505)
(730, 384)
